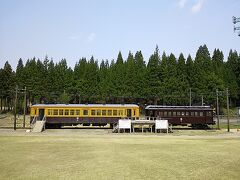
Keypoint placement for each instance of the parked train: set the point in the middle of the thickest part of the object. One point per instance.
(57, 115)
(196, 116)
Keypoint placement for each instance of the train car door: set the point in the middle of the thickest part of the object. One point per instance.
(129, 113)
(41, 114)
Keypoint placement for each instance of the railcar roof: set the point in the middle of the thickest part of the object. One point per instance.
(156, 107)
(85, 105)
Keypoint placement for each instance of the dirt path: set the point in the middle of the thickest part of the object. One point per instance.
(192, 134)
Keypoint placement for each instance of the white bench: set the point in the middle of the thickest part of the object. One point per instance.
(124, 124)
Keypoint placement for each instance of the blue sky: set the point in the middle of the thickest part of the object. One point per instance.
(73, 29)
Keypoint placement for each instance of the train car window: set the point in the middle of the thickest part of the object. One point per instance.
(115, 112)
(209, 113)
(104, 112)
(120, 112)
(98, 112)
(77, 112)
(55, 112)
(196, 113)
(66, 112)
(49, 112)
(201, 113)
(93, 112)
(61, 112)
(165, 113)
(178, 113)
(182, 113)
(169, 113)
(192, 113)
(85, 112)
(71, 112)
(174, 113)
(187, 113)
(160, 113)
(35, 112)
(134, 113)
(109, 112)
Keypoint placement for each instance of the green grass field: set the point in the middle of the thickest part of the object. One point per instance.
(119, 156)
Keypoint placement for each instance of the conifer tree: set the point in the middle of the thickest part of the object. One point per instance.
(80, 77)
(1, 88)
(232, 75)
(170, 83)
(190, 71)
(218, 65)
(20, 79)
(182, 79)
(130, 82)
(153, 76)
(202, 70)
(92, 78)
(140, 68)
(118, 72)
(8, 83)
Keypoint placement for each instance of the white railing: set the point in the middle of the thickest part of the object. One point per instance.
(33, 121)
(44, 121)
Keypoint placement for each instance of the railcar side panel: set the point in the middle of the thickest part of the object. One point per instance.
(84, 114)
(182, 115)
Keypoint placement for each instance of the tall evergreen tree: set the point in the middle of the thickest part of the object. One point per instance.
(8, 82)
(20, 79)
(118, 73)
(153, 75)
(92, 78)
(170, 84)
(105, 80)
(202, 70)
(232, 75)
(182, 79)
(30, 73)
(80, 77)
(190, 71)
(51, 82)
(218, 64)
(130, 82)
(140, 68)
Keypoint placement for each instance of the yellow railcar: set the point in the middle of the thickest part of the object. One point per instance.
(72, 114)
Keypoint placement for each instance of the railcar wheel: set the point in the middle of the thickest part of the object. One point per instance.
(200, 126)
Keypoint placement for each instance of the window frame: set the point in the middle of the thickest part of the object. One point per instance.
(78, 112)
(115, 112)
(61, 112)
(55, 112)
(66, 112)
(109, 112)
(70, 112)
(84, 112)
(104, 112)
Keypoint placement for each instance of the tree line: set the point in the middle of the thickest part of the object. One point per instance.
(164, 79)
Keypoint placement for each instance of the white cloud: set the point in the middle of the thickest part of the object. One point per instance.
(74, 37)
(197, 7)
(182, 3)
(91, 37)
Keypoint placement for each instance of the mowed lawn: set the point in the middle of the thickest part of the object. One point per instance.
(119, 157)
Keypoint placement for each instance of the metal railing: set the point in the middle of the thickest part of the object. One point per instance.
(44, 122)
(33, 122)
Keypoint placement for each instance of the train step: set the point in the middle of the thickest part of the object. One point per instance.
(38, 127)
